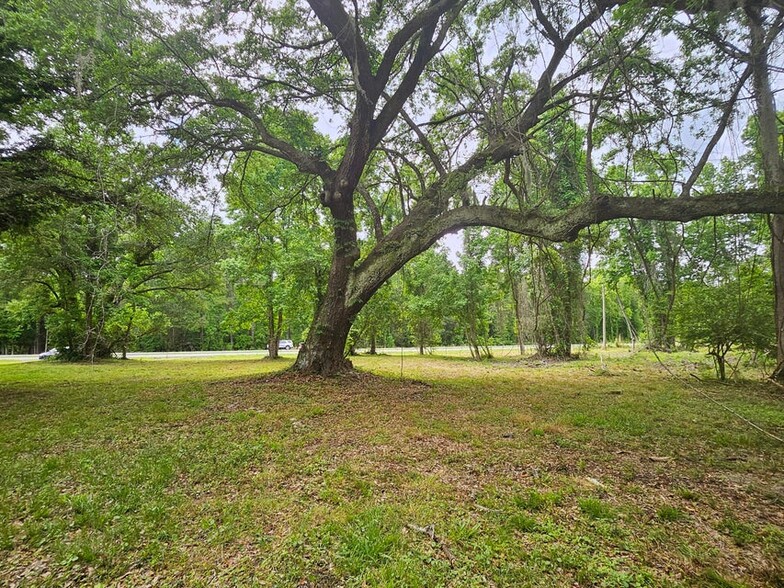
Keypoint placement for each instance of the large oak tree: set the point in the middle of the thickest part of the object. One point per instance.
(432, 105)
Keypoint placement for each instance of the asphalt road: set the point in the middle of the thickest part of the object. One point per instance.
(171, 354)
(499, 350)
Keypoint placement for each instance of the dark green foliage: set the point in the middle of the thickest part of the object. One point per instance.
(88, 269)
(35, 182)
(736, 313)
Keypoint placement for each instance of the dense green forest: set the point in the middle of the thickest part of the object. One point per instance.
(193, 177)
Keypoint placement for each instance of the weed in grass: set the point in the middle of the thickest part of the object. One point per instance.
(522, 522)
(741, 533)
(687, 494)
(566, 443)
(773, 542)
(409, 570)
(601, 573)
(578, 420)
(669, 514)
(635, 489)
(534, 500)
(712, 579)
(596, 509)
(773, 574)
(695, 551)
(463, 531)
(80, 549)
(628, 473)
(7, 533)
(344, 484)
(368, 539)
(86, 513)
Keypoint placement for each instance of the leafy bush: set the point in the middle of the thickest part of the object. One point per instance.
(736, 313)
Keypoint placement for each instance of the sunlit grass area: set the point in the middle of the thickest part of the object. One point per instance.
(597, 472)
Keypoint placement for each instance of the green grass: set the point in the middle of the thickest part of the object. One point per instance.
(742, 533)
(596, 509)
(669, 514)
(506, 473)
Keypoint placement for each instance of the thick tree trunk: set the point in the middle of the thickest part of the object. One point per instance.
(571, 298)
(372, 340)
(660, 338)
(324, 350)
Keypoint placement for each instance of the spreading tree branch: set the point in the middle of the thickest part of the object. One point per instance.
(416, 234)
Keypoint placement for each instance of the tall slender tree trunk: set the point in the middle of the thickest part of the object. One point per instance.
(40, 335)
(272, 339)
(776, 223)
(90, 343)
(772, 166)
(126, 338)
(629, 327)
(573, 299)
(519, 295)
(721, 367)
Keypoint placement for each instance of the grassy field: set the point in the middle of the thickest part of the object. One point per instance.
(500, 473)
